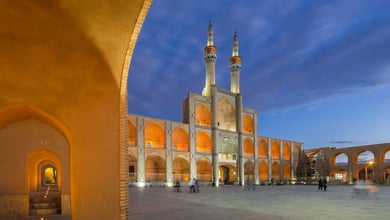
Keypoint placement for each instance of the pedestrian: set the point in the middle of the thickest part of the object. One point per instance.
(325, 184)
(196, 185)
(320, 184)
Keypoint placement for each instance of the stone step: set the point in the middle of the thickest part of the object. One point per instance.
(40, 212)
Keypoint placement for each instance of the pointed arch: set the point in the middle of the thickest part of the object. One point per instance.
(19, 112)
(204, 169)
(275, 149)
(154, 136)
(226, 115)
(248, 147)
(263, 148)
(155, 168)
(202, 115)
(263, 171)
(286, 151)
(132, 132)
(287, 172)
(181, 169)
(203, 142)
(180, 139)
(276, 171)
(247, 124)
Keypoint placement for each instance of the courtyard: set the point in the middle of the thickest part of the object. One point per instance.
(265, 202)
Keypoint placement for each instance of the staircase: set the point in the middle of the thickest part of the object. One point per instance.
(46, 201)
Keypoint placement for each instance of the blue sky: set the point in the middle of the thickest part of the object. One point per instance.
(317, 72)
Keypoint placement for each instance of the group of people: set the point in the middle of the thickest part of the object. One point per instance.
(194, 187)
(322, 184)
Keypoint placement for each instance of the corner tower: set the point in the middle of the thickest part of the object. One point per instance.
(210, 56)
(235, 67)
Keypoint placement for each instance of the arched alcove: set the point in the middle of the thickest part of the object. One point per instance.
(203, 142)
(248, 147)
(287, 172)
(204, 168)
(226, 115)
(202, 115)
(263, 171)
(286, 151)
(180, 140)
(249, 170)
(155, 169)
(154, 136)
(132, 132)
(181, 169)
(276, 171)
(275, 149)
(247, 124)
(263, 148)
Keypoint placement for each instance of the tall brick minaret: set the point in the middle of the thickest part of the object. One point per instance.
(235, 67)
(210, 56)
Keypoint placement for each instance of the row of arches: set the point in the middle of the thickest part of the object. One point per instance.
(154, 137)
(156, 171)
(370, 163)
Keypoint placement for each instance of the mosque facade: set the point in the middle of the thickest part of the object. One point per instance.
(217, 141)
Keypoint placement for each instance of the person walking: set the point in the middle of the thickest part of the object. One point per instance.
(320, 184)
(325, 184)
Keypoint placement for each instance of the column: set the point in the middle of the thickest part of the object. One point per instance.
(269, 141)
(168, 154)
(192, 134)
(214, 131)
(281, 150)
(241, 170)
(350, 168)
(293, 177)
(140, 152)
(256, 142)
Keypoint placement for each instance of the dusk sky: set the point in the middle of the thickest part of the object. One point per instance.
(317, 72)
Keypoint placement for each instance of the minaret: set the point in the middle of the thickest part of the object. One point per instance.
(235, 67)
(210, 57)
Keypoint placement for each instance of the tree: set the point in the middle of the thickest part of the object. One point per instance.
(303, 167)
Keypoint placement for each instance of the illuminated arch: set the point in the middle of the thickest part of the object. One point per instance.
(340, 159)
(180, 139)
(385, 156)
(286, 151)
(248, 147)
(275, 149)
(203, 142)
(263, 148)
(19, 112)
(204, 169)
(37, 162)
(226, 114)
(363, 157)
(263, 171)
(247, 124)
(132, 133)
(287, 172)
(202, 115)
(154, 136)
(154, 168)
(181, 169)
(249, 170)
(276, 171)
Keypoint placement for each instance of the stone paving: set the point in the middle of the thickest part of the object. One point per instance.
(265, 202)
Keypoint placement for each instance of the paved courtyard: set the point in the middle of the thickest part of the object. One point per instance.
(266, 202)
